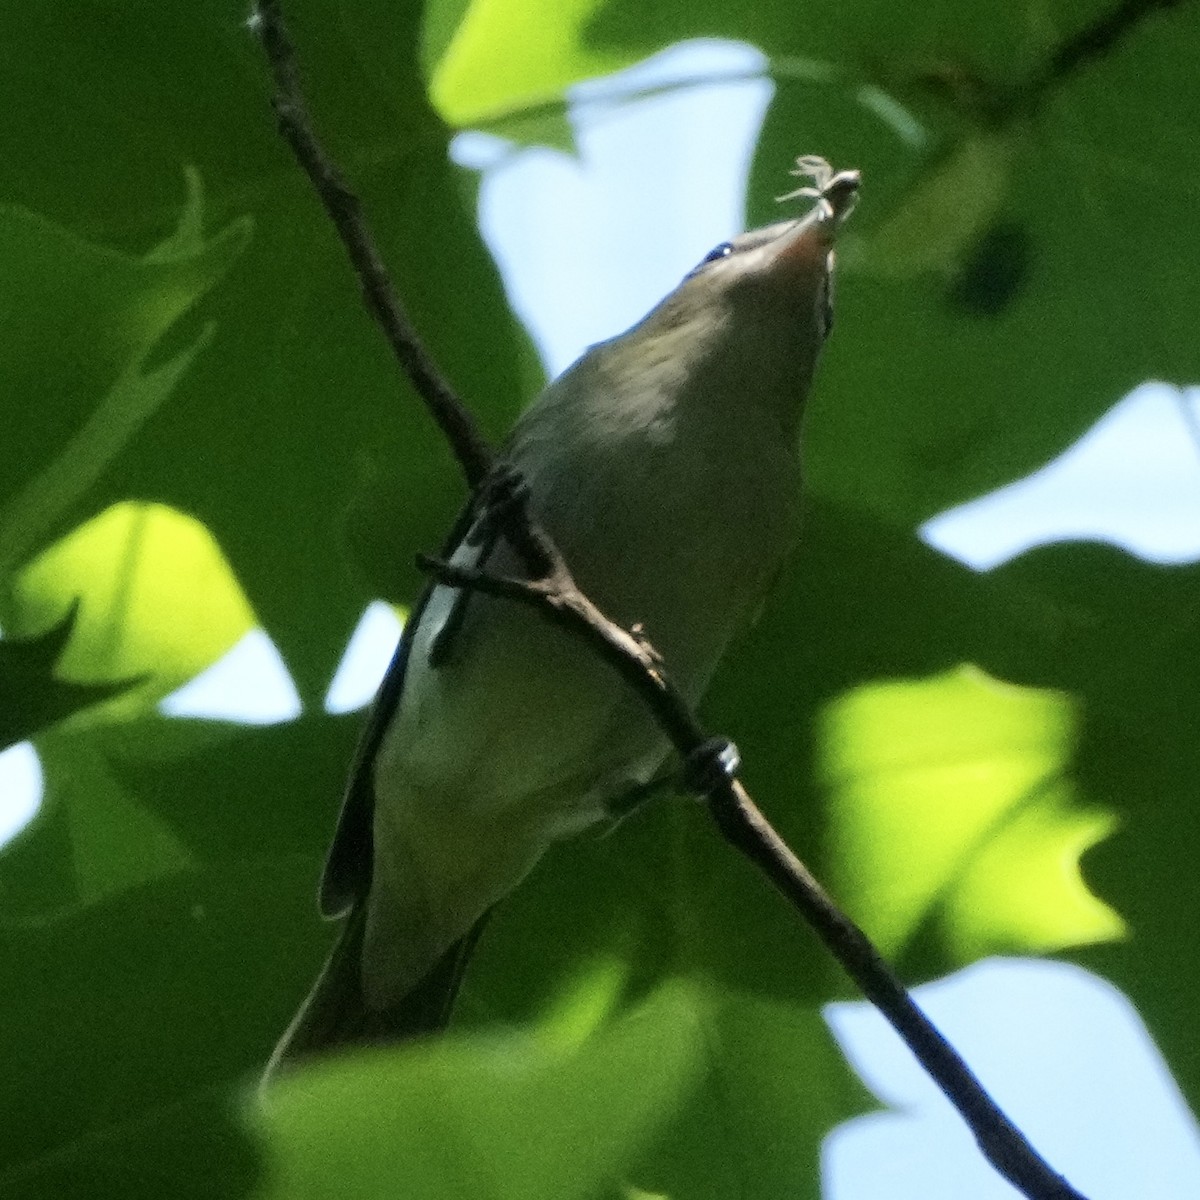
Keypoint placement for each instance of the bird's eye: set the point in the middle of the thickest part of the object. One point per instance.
(724, 250)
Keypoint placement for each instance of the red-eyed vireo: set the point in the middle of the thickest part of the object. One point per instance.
(665, 466)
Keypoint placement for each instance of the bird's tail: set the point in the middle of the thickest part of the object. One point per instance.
(335, 1015)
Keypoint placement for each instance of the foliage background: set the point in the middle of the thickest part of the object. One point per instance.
(206, 435)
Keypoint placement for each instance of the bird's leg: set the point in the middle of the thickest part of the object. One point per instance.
(626, 803)
(713, 763)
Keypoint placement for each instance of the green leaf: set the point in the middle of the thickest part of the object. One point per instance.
(951, 802)
(193, 1147)
(115, 843)
(1128, 639)
(995, 40)
(222, 787)
(632, 1102)
(1000, 288)
(500, 1117)
(79, 325)
(294, 411)
(773, 1084)
(948, 210)
(161, 992)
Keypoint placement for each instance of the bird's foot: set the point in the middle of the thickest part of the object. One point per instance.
(713, 764)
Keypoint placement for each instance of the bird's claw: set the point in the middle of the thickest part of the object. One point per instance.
(713, 764)
(640, 635)
(503, 491)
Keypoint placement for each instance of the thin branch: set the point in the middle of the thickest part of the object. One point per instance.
(560, 602)
(996, 104)
(1096, 40)
(552, 592)
(1003, 1145)
(744, 827)
(345, 211)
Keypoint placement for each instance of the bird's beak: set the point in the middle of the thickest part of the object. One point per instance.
(805, 249)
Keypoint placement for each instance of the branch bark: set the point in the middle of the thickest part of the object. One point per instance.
(552, 592)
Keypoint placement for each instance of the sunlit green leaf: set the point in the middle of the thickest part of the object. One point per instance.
(154, 595)
(951, 803)
(506, 54)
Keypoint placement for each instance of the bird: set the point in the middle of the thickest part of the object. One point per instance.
(665, 466)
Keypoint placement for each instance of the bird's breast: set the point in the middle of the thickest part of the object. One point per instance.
(673, 524)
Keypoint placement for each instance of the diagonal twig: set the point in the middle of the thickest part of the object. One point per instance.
(744, 826)
(345, 211)
(1094, 41)
(554, 594)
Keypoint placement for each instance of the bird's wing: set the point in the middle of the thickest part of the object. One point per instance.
(335, 1013)
(346, 880)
